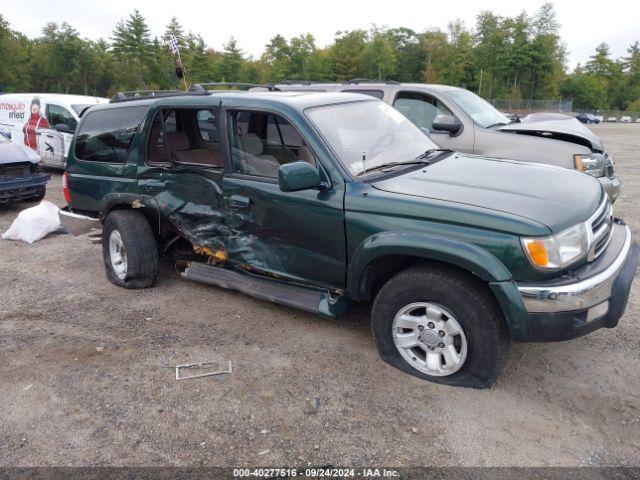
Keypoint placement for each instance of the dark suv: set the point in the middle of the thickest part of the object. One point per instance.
(317, 200)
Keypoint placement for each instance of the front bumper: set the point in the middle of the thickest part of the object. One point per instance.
(22, 188)
(611, 186)
(592, 297)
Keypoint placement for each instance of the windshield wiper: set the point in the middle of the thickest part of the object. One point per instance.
(419, 160)
(499, 124)
(431, 151)
(392, 164)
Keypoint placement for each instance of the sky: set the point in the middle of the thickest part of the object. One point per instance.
(584, 24)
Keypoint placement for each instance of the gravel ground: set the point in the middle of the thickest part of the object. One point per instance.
(87, 375)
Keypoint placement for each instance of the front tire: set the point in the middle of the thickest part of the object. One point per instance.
(442, 325)
(129, 250)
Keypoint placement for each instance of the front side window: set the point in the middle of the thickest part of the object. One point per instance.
(262, 141)
(420, 108)
(479, 110)
(365, 134)
(57, 115)
(106, 135)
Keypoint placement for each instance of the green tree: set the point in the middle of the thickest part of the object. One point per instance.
(346, 54)
(230, 67)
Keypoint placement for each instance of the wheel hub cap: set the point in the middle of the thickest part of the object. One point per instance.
(117, 254)
(430, 339)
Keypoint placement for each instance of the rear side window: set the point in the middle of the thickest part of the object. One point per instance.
(379, 94)
(106, 135)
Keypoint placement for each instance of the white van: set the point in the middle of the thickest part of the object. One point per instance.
(43, 124)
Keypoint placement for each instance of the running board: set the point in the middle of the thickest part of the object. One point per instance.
(307, 299)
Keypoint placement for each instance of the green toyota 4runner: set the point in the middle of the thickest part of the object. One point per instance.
(318, 200)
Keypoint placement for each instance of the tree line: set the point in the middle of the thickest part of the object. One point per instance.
(520, 57)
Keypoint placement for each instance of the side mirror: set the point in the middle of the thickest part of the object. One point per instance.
(296, 176)
(6, 134)
(62, 127)
(446, 123)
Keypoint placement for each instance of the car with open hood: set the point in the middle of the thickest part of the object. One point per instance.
(20, 176)
(321, 200)
(459, 119)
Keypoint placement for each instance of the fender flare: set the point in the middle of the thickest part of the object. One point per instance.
(467, 256)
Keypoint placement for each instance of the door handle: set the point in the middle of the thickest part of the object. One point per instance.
(155, 186)
(238, 201)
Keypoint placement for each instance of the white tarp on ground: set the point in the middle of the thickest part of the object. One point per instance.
(34, 223)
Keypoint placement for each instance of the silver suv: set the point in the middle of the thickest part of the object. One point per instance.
(461, 120)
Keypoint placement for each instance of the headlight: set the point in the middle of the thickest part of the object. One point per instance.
(593, 164)
(557, 251)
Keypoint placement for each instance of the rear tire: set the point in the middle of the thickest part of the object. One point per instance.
(129, 250)
(442, 325)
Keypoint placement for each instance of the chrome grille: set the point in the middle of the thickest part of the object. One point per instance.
(600, 229)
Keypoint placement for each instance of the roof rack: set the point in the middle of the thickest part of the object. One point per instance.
(356, 81)
(202, 87)
(144, 94)
(296, 82)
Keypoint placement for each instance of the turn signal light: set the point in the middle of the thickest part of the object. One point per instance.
(538, 253)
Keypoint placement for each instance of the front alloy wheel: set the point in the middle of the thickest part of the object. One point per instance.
(441, 324)
(430, 339)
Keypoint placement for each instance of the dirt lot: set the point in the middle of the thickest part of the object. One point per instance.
(87, 378)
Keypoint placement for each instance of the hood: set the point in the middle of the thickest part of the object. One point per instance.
(552, 196)
(11, 153)
(566, 129)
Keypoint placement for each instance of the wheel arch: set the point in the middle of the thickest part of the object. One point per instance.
(388, 252)
(129, 201)
(383, 255)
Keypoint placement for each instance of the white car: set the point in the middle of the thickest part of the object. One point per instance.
(625, 119)
(612, 119)
(638, 120)
(599, 118)
(43, 124)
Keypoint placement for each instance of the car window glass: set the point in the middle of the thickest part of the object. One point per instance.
(207, 126)
(420, 108)
(157, 148)
(106, 135)
(262, 141)
(57, 115)
(367, 133)
(184, 136)
(379, 94)
(481, 112)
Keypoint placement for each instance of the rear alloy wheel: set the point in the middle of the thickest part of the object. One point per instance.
(129, 250)
(117, 254)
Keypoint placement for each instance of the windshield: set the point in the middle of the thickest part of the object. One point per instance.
(481, 112)
(369, 133)
(78, 108)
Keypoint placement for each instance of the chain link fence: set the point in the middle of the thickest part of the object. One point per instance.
(523, 107)
(526, 105)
